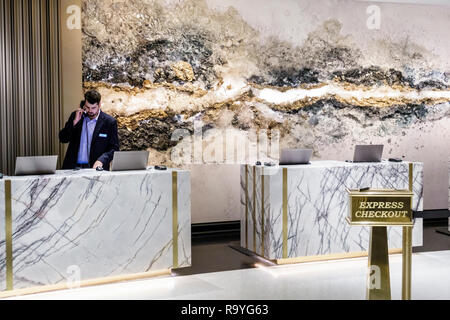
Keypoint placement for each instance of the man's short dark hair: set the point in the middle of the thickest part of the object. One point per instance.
(93, 97)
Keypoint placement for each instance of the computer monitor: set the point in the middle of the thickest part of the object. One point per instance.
(368, 153)
(295, 156)
(130, 160)
(26, 166)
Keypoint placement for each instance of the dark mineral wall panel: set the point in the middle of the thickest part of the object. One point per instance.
(190, 80)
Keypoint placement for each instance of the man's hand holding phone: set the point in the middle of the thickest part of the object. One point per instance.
(79, 114)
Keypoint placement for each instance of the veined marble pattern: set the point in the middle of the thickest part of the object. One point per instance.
(184, 219)
(318, 205)
(243, 201)
(251, 210)
(275, 225)
(257, 216)
(261, 220)
(95, 224)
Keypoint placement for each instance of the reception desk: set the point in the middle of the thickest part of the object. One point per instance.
(297, 213)
(84, 225)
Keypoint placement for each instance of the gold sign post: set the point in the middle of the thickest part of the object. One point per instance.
(380, 209)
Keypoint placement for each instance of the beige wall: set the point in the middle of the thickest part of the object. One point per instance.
(72, 92)
(215, 193)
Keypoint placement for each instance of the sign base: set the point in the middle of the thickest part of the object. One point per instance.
(378, 282)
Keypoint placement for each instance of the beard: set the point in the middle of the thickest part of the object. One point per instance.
(93, 115)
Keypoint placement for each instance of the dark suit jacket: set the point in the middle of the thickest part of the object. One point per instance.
(105, 141)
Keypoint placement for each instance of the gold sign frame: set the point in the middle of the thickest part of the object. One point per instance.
(395, 196)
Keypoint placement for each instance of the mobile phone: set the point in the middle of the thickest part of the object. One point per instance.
(82, 106)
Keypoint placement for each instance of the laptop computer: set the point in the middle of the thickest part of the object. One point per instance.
(368, 153)
(295, 156)
(28, 166)
(130, 160)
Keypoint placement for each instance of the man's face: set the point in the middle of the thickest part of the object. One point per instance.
(92, 110)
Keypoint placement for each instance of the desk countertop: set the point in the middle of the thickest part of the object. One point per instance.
(335, 163)
(91, 173)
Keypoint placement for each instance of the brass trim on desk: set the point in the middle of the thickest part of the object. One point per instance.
(246, 206)
(84, 283)
(8, 236)
(328, 257)
(175, 218)
(254, 209)
(411, 178)
(262, 212)
(285, 213)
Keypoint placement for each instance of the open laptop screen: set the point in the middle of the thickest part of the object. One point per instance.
(130, 160)
(295, 156)
(368, 153)
(26, 166)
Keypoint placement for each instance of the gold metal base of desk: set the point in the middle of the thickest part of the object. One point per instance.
(329, 257)
(85, 283)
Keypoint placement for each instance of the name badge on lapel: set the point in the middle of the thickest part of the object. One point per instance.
(103, 135)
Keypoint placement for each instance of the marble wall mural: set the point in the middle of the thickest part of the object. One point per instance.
(163, 65)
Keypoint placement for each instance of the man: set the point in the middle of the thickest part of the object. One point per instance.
(91, 134)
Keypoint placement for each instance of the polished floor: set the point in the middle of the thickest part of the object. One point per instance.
(336, 280)
(221, 271)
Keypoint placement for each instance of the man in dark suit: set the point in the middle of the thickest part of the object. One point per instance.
(91, 134)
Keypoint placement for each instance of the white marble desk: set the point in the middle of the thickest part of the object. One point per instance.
(95, 224)
(314, 224)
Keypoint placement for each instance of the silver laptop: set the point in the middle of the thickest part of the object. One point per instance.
(295, 156)
(130, 160)
(28, 166)
(368, 153)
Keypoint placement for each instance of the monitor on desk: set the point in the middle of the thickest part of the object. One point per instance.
(130, 160)
(26, 166)
(368, 153)
(295, 156)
